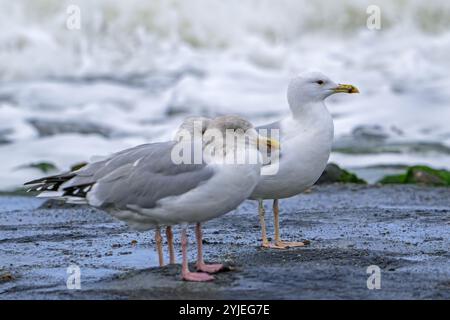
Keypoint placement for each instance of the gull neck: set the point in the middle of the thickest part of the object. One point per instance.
(309, 112)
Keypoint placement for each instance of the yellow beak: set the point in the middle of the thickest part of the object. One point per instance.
(269, 142)
(346, 88)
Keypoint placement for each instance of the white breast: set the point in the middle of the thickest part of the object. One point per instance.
(221, 194)
(305, 149)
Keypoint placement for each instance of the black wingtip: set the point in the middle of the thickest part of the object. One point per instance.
(52, 179)
(41, 180)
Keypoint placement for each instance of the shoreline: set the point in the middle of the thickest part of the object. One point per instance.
(403, 229)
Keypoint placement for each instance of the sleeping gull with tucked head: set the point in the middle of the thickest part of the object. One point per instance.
(306, 136)
(147, 189)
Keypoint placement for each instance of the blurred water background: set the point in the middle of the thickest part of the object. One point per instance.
(135, 69)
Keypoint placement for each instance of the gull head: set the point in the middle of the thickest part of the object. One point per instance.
(194, 126)
(241, 129)
(230, 122)
(202, 128)
(311, 87)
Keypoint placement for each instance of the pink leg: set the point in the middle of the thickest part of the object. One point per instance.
(210, 268)
(169, 235)
(186, 274)
(158, 240)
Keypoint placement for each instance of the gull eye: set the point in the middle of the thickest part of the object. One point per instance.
(319, 82)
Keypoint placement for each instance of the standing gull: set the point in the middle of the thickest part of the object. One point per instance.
(147, 189)
(306, 136)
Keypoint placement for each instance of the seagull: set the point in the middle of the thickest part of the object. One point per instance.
(306, 136)
(147, 187)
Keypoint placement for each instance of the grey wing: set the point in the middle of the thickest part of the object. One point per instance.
(79, 182)
(92, 172)
(143, 184)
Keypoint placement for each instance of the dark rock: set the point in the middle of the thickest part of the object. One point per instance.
(334, 174)
(362, 139)
(374, 133)
(419, 175)
(377, 139)
(47, 128)
(4, 136)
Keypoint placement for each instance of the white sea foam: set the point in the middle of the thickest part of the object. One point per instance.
(136, 68)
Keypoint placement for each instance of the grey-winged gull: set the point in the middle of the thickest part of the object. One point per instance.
(306, 137)
(144, 187)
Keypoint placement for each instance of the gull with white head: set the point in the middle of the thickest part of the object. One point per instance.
(306, 137)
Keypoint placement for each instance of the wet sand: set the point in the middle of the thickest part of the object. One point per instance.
(404, 230)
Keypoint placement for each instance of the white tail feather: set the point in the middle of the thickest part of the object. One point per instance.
(50, 194)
